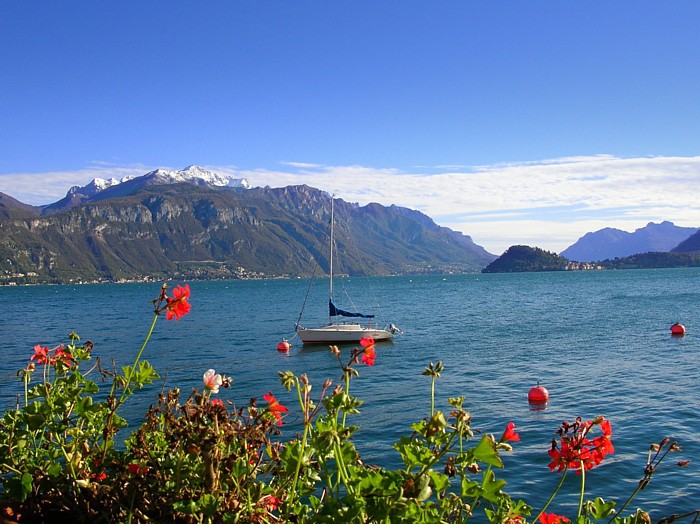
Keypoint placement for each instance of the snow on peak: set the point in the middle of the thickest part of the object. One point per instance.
(195, 173)
(191, 174)
(94, 186)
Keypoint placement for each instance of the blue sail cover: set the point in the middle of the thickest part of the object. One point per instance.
(334, 312)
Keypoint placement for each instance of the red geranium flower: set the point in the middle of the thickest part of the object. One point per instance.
(509, 434)
(369, 354)
(270, 502)
(63, 355)
(551, 518)
(136, 469)
(275, 407)
(41, 354)
(178, 306)
(576, 450)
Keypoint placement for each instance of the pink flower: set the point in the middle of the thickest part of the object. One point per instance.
(212, 381)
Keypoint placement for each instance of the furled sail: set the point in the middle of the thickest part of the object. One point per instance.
(334, 312)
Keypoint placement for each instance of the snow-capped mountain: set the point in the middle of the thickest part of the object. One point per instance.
(96, 185)
(99, 188)
(197, 174)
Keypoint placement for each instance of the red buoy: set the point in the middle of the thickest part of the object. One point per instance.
(677, 329)
(538, 395)
(284, 346)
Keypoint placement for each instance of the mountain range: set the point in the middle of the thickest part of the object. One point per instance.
(610, 243)
(196, 224)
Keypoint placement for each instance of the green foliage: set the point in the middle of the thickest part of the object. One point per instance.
(525, 258)
(653, 260)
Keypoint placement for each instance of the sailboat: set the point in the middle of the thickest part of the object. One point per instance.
(337, 332)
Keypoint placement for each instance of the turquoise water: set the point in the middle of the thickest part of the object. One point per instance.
(599, 341)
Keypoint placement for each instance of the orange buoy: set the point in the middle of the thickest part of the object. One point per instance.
(677, 329)
(284, 346)
(538, 394)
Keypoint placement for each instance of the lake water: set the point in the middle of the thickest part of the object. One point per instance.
(599, 341)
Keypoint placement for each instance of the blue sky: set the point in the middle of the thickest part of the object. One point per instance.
(513, 122)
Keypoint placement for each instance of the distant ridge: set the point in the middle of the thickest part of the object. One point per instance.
(521, 259)
(12, 208)
(610, 243)
(689, 245)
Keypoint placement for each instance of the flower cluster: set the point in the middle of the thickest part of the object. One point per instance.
(369, 354)
(175, 307)
(44, 355)
(178, 306)
(576, 450)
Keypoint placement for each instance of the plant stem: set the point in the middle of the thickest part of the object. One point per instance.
(554, 494)
(122, 397)
(583, 487)
(304, 438)
(130, 372)
(629, 500)
(347, 393)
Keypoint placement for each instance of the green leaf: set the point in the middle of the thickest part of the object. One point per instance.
(492, 487)
(485, 452)
(424, 489)
(413, 453)
(440, 481)
(188, 507)
(599, 509)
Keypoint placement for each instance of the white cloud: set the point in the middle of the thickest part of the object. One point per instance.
(549, 204)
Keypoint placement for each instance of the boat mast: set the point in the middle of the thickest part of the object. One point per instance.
(330, 271)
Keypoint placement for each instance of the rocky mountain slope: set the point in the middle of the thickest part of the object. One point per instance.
(140, 229)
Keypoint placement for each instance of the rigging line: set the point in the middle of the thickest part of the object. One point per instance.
(308, 291)
(365, 273)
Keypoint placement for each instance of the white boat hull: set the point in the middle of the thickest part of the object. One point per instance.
(341, 333)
